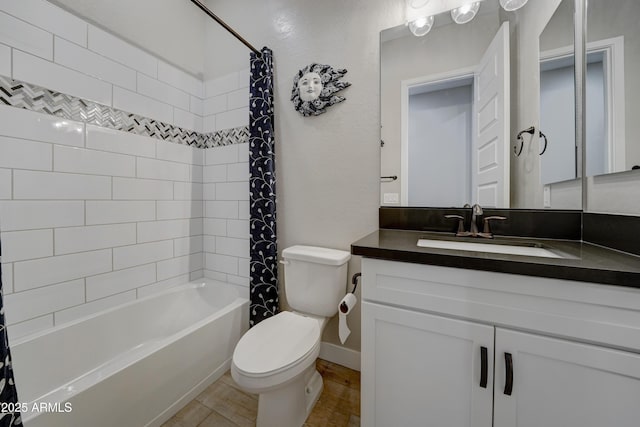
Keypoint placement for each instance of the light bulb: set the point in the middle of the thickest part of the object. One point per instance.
(510, 5)
(421, 26)
(464, 9)
(465, 13)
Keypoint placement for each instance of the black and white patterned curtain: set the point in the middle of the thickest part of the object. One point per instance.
(9, 415)
(262, 196)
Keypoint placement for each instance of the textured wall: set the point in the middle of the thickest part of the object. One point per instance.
(328, 166)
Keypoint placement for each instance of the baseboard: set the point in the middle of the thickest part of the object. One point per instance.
(340, 355)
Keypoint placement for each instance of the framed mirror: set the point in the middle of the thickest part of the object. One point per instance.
(452, 103)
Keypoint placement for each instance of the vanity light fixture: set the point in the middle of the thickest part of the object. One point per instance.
(417, 16)
(465, 13)
(510, 5)
(420, 23)
(421, 26)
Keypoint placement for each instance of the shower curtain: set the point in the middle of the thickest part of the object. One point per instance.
(9, 413)
(262, 196)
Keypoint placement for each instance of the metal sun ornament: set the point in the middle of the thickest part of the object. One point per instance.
(315, 87)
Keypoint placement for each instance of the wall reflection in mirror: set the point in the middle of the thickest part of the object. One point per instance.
(450, 109)
(560, 162)
(613, 88)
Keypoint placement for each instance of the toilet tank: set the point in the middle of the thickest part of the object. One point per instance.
(315, 279)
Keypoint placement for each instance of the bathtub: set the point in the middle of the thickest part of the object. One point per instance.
(133, 365)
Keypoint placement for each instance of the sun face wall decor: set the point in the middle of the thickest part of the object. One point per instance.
(314, 88)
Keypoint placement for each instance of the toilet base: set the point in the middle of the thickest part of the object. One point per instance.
(289, 406)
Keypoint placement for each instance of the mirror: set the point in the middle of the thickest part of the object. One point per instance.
(560, 161)
(613, 89)
(429, 89)
(436, 109)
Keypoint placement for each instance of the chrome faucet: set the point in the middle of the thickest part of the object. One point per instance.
(476, 211)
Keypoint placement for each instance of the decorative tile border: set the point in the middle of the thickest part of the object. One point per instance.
(34, 98)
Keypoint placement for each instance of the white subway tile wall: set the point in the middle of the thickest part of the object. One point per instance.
(90, 217)
(21, 35)
(7, 278)
(23, 306)
(34, 126)
(5, 60)
(5, 184)
(75, 221)
(50, 18)
(31, 69)
(133, 102)
(22, 154)
(78, 58)
(226, 103)
(27, 244)
(108, 45)
(214, 105)
(57, 50)
(196, 105)
(177, 78)
(232, 118)
(226, 225)
(187, 120)
(100, 138)
(141, 189)
(81, 238)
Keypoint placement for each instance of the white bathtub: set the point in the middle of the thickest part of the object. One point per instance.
(133, 365)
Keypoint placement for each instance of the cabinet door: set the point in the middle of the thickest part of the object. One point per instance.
(558, 383)
(424, 370)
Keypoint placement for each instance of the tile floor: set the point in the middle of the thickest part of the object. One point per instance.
(223, 404)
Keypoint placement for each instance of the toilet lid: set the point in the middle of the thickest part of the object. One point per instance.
(276, 343)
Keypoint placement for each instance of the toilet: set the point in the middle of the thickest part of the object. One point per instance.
(276, 358)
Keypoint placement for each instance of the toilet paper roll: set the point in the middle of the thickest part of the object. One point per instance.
(345, 307)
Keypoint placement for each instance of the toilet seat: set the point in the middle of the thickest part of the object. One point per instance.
(276, 350)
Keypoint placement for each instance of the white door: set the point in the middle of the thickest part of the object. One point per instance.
(490, 154)
(424, 370)
(558, 383)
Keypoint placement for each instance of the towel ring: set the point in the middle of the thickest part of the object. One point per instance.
(530, 130)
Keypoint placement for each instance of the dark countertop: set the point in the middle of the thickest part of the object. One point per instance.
(582, 262)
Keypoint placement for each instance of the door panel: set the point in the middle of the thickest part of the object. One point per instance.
(424, 370)
(558, 383)
(490, 154)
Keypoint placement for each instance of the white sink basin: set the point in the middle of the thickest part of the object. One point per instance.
(488, 247)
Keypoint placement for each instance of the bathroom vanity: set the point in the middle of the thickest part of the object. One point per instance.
(542, 329)
(476, 338)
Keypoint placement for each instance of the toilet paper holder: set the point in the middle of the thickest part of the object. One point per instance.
(354, 282)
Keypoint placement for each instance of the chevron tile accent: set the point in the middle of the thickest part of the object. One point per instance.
(34, 98)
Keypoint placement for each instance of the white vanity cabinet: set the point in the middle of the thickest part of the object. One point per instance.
(424, 370)
(562, 383)
(439, 343)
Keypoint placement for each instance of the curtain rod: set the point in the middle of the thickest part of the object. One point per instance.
(206, 10)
